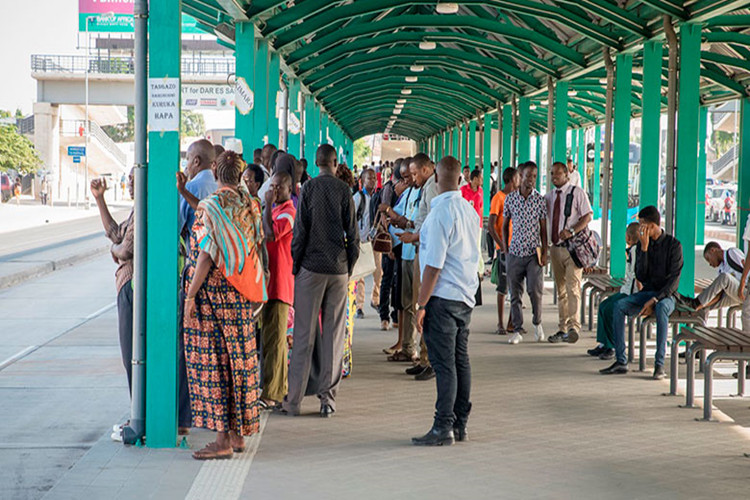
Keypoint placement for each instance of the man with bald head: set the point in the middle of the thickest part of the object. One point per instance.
(449, 257)
(198, 180)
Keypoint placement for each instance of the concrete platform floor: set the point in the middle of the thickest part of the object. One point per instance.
(545, 424)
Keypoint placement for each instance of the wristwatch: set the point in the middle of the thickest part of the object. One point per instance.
(417, 307)
(572, 231)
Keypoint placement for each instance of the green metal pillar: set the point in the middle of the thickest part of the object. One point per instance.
(621, 157)
(260, 88)
(244, 50)
(561, 122)
(597, 172)
(651, 123)
(582, 158)
(440, 144)
(311, 138)
(538, 159)
(743, 168)
(162, 274)
(524, 132)
(472, 144)
(325, 132)
(294, 147)
(700, 216)
(507, 137)
(487, 163)
(274, 85)
(688, 112)
(454, 150)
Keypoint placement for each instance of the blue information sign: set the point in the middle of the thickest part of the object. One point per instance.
(77, 151)
(76, 159)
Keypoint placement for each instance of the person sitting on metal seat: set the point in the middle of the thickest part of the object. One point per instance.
(725, 288)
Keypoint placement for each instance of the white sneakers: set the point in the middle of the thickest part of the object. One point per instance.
(515, 338)
(539, 333)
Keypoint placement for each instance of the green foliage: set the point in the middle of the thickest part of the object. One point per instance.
(122, 132)
(17, 152)
(362, 152)
(192, 124)
(723, 141)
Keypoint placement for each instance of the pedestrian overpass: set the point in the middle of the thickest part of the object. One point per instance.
(451, 76)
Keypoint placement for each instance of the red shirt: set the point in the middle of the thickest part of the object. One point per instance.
(379, 177)
(281, 281)
(473, 197)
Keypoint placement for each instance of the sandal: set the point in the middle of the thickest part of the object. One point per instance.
(389, 350)
(267, 405)
(400, 356)
(212, 452)
(501, 331)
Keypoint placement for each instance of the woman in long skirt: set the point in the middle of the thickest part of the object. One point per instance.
(220, 350)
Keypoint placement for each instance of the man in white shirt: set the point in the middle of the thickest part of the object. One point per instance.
(570, 212)
(448, 259)
(362, 200)
(724, 289)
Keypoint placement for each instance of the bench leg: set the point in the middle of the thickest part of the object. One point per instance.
(690, 384)
(584, 289)
(702, 362)
(591, 310)
(642, 347)
(718, 317)
(631, 339)
(708, 387)
(674, 366)
(741, 377)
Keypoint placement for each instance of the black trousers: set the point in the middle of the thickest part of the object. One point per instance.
(446, 333)
(389, 289)
(125, 327)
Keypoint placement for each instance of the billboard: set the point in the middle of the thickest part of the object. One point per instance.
(116, 16)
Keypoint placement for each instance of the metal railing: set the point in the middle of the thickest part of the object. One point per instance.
(78, 127)
(725, 160)
(25, 125)
(42, 63)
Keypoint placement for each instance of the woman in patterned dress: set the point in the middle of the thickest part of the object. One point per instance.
(220, 349)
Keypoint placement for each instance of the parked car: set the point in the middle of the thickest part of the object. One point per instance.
(6, 188)
(718, 200)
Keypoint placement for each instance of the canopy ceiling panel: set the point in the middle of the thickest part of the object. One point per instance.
(463, 58)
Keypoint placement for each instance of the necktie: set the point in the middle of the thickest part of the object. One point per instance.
(556, 219)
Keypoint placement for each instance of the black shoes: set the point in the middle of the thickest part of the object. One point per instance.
(415, 370)
(360, 314)
(460, 434)
(688, 301)
(596, 351)
(607, 354)
(659, 373)
(435, 437)
(616, 368)
(326, 411)
(571, 337)
(426, 374)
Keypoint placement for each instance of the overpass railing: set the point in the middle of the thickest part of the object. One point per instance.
(45, 63)
(78, 128)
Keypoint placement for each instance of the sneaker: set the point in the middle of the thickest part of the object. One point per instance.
(538, 333)
(415, 370)
(659, 373)
(692, 303)
(557, 338)
(515, 339)
(607, 354)
(360, 314)
(596, 351)
(385, 325)
(571, 337)
(427, 374)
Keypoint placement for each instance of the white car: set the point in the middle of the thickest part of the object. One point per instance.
(716, 200)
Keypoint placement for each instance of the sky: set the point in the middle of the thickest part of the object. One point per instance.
(32, 27)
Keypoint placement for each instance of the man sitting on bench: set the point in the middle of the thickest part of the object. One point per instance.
(658, 267)
(724, 290)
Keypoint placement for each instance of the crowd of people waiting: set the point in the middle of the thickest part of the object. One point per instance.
(266, 250)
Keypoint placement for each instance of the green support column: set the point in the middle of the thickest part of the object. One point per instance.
(582, 158)
(316, 142)
(597, 172)
(472, 144)
(162, 274)
(244, 40)
(487, 163)
(462, 143)
(507, 136)
(688, 112)
(700, 215)
(621, 157)
(260, 89)
(743, 169)
(651, 123)
(573, 138)
(538, 159)
(454, 150)
(310, 133)
(325, 133)
(524, 132)
(561, 122)
(440, 144)
(294, 146)
(274, 84)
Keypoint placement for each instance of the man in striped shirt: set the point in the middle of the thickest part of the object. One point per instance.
(724, 289)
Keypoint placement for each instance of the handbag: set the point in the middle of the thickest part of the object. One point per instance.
(365, 264)
(382, 242)
(585, 245)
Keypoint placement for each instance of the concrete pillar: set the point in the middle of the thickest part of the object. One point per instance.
(47, 144)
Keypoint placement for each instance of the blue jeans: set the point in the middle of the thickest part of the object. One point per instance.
(630, 306)
(446, 333)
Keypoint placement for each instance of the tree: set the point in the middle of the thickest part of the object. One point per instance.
(17, 152)
(192, 124)
(362, 152)
(122, 132)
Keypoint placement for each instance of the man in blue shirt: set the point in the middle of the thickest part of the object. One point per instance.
(449, 257)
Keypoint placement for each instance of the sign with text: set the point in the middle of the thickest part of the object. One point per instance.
(293, 124)
(164, 104)
(76, 159)
(244, 98)
(116, 16)
(207, 97)
(76, 150)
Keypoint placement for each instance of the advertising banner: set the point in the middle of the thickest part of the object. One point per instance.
(207, 96)
(116, 16)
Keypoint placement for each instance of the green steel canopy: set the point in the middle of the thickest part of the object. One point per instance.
(356, 57)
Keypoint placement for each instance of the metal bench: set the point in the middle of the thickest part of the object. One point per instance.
(680, 316)
(599, 285)
(727, 344)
